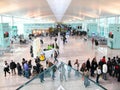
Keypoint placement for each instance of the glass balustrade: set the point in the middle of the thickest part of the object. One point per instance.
(60, 77)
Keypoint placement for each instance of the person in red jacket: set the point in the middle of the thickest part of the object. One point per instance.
(103, 59)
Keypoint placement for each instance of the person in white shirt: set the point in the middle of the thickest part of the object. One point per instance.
(104, 70)
(6, 68)
(98, 74)
(76, 66)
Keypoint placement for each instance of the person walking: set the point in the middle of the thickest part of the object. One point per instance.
(93, 41)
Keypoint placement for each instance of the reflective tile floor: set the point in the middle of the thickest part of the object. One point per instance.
(75, 48)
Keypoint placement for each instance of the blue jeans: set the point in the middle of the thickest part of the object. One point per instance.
(53, 75)
(86, 82)
(77, 73)
(69, 71)
(41, 77)
(27, 74)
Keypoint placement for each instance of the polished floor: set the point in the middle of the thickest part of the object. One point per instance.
(75, 48)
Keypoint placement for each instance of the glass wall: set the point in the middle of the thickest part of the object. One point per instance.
(6, 19)
(101, 27)
(19, 22)
(103, 23)
(111, 20)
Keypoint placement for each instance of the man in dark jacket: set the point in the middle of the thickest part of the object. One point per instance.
(109, 64)
(88, 64)
(12, 67)
(93, 66)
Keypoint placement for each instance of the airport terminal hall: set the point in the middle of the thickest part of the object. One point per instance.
(59, 44)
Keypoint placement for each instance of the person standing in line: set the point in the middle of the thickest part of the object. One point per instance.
(109, 64)
(62, 72)
(98, 74)
(41, 75)
(19, 69)
(86, 76)
(12, 67)
(69, 68)
(105, 69)
(104, 59)
(30, 66)
(76, 64)
(100, 63)
(23, 61)
(54, 68)
(6, 68)
(83, 67)
(88, 64)
(26, 69)
(116, 70)
(37, 59)
(38, 66)
(93, 66)
(118, 79)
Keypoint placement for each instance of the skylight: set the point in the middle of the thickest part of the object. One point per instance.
(59, 7)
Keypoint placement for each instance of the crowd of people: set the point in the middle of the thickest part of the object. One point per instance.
(25, 68)
(106, 66)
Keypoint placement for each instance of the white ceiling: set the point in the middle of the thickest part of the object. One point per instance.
(77, 9)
